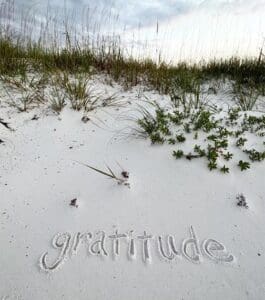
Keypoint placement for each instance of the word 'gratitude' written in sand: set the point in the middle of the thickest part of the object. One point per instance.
(143, 245)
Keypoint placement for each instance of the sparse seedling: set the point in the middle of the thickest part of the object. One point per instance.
(224, 169)
(178, 154)
(181, 138)
(199, 150)
(243, 165)
(171, 141)
(212, 165)
(241, 142)
(227, 156)
(212, 153)
(233, 115)
(187, 127)
(156, 138)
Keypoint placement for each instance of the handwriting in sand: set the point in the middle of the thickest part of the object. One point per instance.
(142, 246)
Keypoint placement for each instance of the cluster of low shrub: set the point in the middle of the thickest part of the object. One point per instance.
(219, 137)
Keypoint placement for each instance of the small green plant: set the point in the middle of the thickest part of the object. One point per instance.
(224, 169)
(156, 138)
(221, 144)
(243, 165)
(148, 123)
(237, 133)
(205, 122)
(178, 154)
(233, 115)
(199, 151)
(212, 153)
(241, 142)
(176, 117)
(212, 165)
(212, 137)
(171, 141)
(227, 156)
(187, 128)
(181, 138)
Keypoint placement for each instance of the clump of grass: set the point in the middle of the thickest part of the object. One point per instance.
(79, 93)
(57, 99)
(24, 92)
(245, 96)
(82, 96)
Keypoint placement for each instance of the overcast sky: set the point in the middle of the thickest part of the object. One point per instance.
(187, 28)
(133, 12)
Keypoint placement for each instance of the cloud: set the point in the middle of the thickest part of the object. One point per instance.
(146, 12)
(130, 12)
(210, 29)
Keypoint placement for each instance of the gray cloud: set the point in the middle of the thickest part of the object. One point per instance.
(130, 12)
(145, 12)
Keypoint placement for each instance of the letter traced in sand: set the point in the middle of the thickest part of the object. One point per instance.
(79, 238)
(216, 251)
(171, 248)
(60, 241)
(146, 251)
(116, 242)
(193, 242)
(132, 247)
(98, 247)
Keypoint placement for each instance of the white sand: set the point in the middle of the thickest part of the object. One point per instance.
(39, 177)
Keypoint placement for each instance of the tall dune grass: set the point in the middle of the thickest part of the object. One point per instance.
(31, 44)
